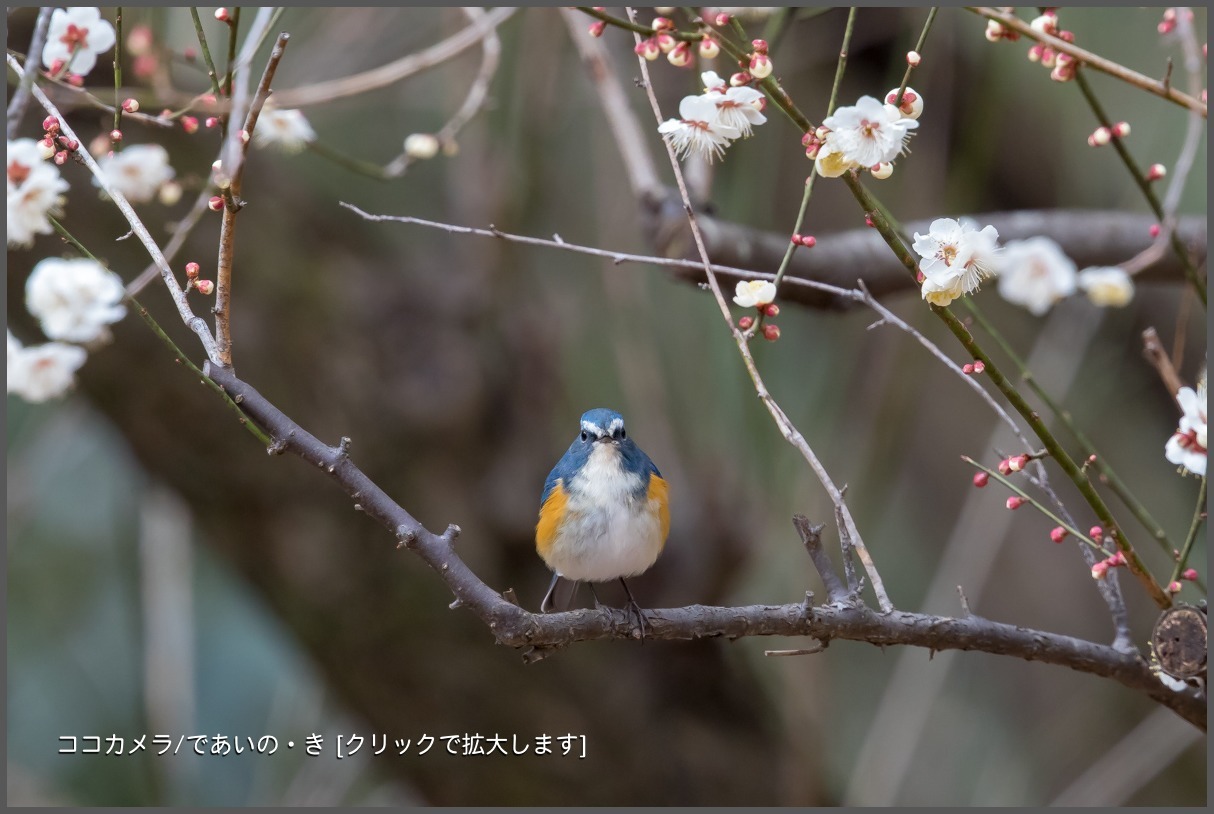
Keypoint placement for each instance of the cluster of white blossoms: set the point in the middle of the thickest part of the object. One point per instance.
(35, 190)
(288, 129)
(868, 135)
(1036, 274)
(1187, 446)
(957, 258)
(74, 38)
(709, 122)
(75, 301)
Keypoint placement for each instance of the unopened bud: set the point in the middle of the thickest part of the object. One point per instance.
(1100, 137)
(771, 332)
(721, 19)
(75, 80)
(1173, 587)
(1096, 532)
(46, 149)
(1189, 574)
(1120, 130)
(50, 124)
(130, 105)
(1156, 171)
(648, 49)
(746, 323)
(211, 121)
(1017, 462)
(881, 171)
(760, 46)
(421, 146)
(979, 366)
(223, 15)
(205, 287)
(115, 135)
(809, 241)
(169, 193)
(215, 204)
(981, 479)
(189, 124)
(680, 55)
(666, 42)
(913, 59)
(596, 28)
(967, 368)
(994, 31)
(244, 136)
(662, 24)
(1101, 569)
(1015, 502)
(139, 41)
(709, 49)
(740, 79)
(760, 66)
(1154, 230)
(61, 157)
(771, 309)
(1005, 468)
(1058, 534)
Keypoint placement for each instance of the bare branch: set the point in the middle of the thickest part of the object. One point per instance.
(1153, 349)
(811, 536)
(21, 96)
(385, 75)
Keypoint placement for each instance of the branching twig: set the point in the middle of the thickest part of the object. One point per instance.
(1099, 63)
(811, 536)
(1153, 349)
(783, 423)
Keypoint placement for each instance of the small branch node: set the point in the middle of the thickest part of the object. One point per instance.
(406, 537)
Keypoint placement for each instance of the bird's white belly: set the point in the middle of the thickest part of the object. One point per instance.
(609, 531)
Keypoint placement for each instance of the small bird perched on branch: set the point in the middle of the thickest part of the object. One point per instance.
(604, 513)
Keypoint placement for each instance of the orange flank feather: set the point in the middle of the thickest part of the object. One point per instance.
(551, 514)
(659, 491)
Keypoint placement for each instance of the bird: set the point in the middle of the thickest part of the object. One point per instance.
(604, 512)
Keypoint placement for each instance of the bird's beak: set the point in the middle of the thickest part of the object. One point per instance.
(607, 439)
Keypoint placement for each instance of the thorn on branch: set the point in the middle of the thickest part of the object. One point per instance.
(818, 647)
(456, 603)
(965, 603)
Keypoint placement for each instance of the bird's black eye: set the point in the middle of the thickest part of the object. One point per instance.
(585, 435)
(623, 433)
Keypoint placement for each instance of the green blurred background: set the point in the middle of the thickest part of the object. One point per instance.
(166, 577)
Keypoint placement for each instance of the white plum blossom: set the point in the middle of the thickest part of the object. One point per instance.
(286, 128)
(957, 258)
(75, 37)
(1187, 446)
(138, 172)
(421, 146)
(868, 133)
(698, 130)
(1107, 286)
(736, 107)
(44, 371)
(74, 300)
(35, 190)
(754, 293)
(1035, 273)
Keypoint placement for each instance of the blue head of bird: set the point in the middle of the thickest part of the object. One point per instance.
(604, 512)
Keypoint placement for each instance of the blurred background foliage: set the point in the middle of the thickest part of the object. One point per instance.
(166, 577)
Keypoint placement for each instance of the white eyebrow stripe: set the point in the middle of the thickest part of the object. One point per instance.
(616, 424)
(590, 426)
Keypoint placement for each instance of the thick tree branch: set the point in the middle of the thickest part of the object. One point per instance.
(515, 627)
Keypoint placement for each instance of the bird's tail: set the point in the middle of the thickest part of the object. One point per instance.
(560, 594)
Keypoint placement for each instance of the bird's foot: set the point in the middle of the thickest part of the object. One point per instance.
(633, 609)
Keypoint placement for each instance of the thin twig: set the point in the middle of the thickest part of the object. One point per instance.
(927, 26)
(233, 201)
(783, 423)
(180, 233)
(811, 537)
(321, 92)
(1153, 349)
(196, 323)
(1099, 63)
(21, 96)
(1199, 516)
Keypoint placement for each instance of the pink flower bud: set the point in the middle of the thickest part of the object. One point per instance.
(709, 49)
(61, 157)
(212, 121)
(244, 136)
(662, 24)
(139, 41)
(596, 28)
(979, 366)
(205, 287)
(1156, 171)
(130, 105)
(1116, 560)
(967, 368)
(1100, 569)
(680, 55)
(1058, 534)
(115, 135)
(1035, 52)
(740, 79)
(994, 31)
(981, 479)
(191, 271)
(1120, 130)
(1017, 462)
(666, 42)
(771, 332)
(881, 171)
(1173, 587)
(1100, 137)
(1066, 36)
(215, 204)
(50, 124)
(1005, 467)
(1015, 502)
(721, 19)
(771, 309)
(223, 15)
(189, 124)
(746, 323)
(1190, 574)
(1095, 532)
(913, 59)
(760, 46)
(809, 241)
(648, 49)
(1154, 230)
(760, 66)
